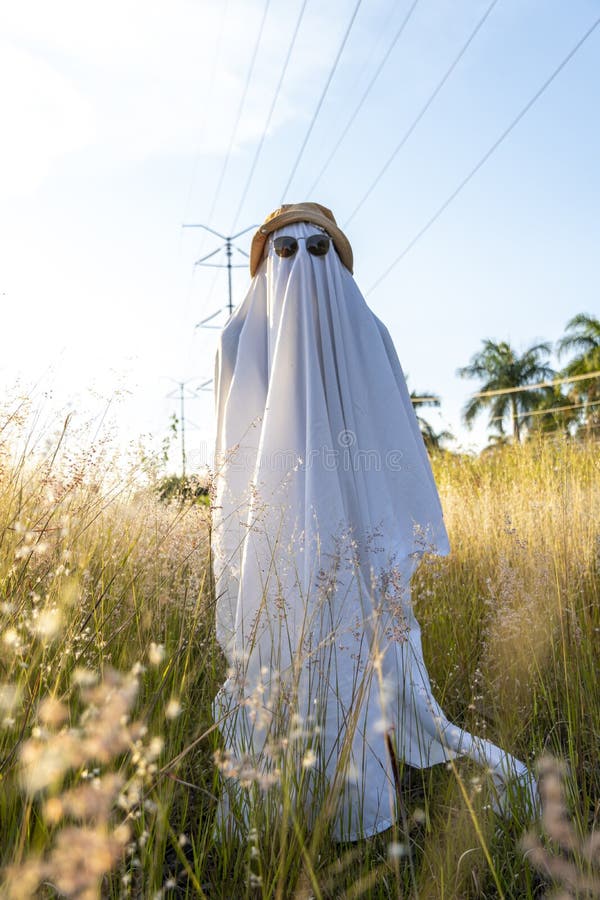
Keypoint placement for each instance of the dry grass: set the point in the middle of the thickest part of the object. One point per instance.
(109, 666)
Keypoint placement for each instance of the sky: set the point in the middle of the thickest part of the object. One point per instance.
(124, 120)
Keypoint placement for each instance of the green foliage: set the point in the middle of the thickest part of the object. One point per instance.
(583, 337)
(184, 488)
(572, 409)
(501, 368)
(433, 440)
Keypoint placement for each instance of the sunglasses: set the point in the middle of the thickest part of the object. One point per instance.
(316, 244)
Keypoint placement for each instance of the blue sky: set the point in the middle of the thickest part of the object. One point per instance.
(117, 119)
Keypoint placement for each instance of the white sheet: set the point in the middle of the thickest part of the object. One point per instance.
(324, 503)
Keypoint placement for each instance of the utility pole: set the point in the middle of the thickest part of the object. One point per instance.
(228, 247)
(180, 394)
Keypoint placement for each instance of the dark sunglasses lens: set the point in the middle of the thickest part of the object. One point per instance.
(318, 244)
(285, 246)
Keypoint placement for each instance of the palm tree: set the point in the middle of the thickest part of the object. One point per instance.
(554, 412)
(501, 368)
(584, 338)
(433, 440)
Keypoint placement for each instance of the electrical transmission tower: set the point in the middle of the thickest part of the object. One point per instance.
(228, 247)
(180, 394)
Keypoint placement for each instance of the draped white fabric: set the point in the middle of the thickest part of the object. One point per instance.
(324, 503)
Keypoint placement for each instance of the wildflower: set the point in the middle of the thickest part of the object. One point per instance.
(419, 816)
(155, 748)
(382, 725)
(570, 859)
(53, 810)
(309, 759)
(396, 850)
(92, 800)
(48, 623)
(84, 677)
(268, 779)
(23, 551)
(247, 773)
(21, 881)
(52, 712)
(11, 637)
(476, 784)
(10, 696)
(44, 763)
(81, 856)
(173, 708)
(156, 654)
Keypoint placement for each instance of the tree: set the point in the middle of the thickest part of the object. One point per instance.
(583, 336)
(500, 368)
(554, 412)
(433, 440)
(184, 488)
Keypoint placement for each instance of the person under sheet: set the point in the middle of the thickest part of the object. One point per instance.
(324, 503)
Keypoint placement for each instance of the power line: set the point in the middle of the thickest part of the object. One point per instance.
(321, 99)
(365, 94)
(239, 112)
(546, 412)
(529, 387)
(207, 103)
(384, 27)
(208, 96)
(423, 110)
(270, 114)
(486, 156)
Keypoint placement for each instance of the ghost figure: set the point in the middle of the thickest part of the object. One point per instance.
(324, 503)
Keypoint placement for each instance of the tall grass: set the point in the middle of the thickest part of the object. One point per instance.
(109, 667)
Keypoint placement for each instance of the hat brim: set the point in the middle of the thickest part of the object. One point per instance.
(289, 217)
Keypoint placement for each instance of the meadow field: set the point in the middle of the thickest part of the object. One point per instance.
(109, 666)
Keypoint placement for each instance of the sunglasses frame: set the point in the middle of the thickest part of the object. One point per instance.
(320, 234)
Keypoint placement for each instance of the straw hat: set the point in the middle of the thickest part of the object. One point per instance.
(300, 212)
